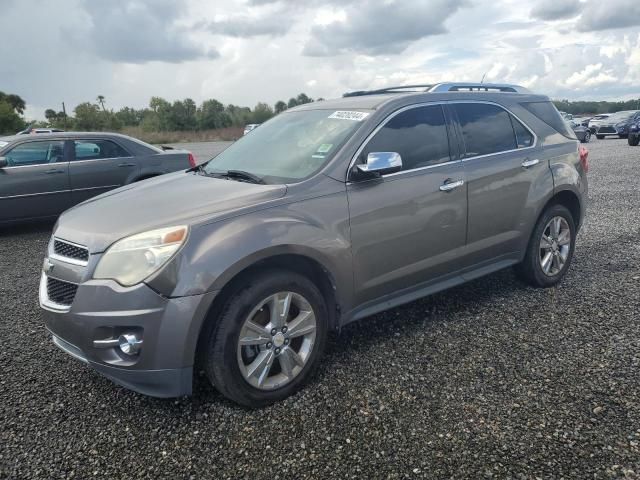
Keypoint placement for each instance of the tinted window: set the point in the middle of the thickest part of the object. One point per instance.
(419, 135)
(485, 128)
(36, 153)
(96, 149)
(549, 114)
(523, 136)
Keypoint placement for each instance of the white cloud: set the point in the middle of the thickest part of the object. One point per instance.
(245, 51)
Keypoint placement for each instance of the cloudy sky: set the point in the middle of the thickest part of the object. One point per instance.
(245, 51)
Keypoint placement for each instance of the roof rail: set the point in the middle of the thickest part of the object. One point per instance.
(443, 87)
(399, 89)
(477, 87)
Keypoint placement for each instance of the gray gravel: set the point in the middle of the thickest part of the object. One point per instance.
(491, 379)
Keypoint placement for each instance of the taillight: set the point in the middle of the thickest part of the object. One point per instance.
(192, 160)
(584, 158)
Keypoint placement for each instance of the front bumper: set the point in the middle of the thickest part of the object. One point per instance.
(102, 310)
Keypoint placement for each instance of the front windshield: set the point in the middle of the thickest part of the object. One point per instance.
(617, 117)
(290, 147)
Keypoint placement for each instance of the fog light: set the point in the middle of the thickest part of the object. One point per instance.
(129, 343)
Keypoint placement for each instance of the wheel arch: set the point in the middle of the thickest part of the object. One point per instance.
(278, 259)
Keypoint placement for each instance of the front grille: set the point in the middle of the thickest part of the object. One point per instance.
(61, 292)
(69, 250)
(607, 130)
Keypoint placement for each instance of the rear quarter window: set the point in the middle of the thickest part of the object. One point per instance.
(549, 114)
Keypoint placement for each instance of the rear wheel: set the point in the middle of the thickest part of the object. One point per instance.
(550, 248)
(269, 339)
(587, 137)
(633, 140)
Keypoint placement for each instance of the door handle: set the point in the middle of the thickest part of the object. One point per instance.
(127, 165)
(530, 163)
(448, 186)
(53, 170)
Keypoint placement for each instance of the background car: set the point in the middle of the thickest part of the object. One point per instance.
(250, 127)
(43, 175)
(617, 124)
(596, 121)
(30, 131)
(582, 132)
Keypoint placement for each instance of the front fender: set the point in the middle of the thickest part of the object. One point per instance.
(317, 229)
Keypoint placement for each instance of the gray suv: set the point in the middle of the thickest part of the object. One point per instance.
(324, 215)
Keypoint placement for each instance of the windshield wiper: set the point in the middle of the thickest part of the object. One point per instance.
(242, 175)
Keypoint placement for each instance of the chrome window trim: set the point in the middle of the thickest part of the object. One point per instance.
(441, 102)
(486, 102)
(75, 162)
(34, 165)
(33, 194)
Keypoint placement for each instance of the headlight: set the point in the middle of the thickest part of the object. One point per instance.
(130, 260)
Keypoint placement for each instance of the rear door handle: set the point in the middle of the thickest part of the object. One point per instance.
(448, 185)
(530, 163)
(127, 165)
(53, 170)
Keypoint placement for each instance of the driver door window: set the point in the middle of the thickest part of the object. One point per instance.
(36, 153)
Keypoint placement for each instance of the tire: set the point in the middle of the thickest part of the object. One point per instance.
(587, 137)
(531, 269)
(599, 137)
(633, 140)
(227, 363)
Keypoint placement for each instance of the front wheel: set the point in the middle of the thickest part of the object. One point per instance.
(633, 140)
(550, 248)
(268, 340)
(587, 137)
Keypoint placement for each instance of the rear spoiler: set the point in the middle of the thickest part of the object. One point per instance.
(166, 147)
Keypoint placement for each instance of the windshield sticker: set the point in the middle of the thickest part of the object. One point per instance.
(348, 115)
(324, 148)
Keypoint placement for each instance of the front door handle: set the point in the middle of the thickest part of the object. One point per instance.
(449, 185)
(127, 165)
(53, 170)
(530, 163)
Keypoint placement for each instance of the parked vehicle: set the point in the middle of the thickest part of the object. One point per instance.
(33, 131)
(326, 214)
(250, 127)
(43, 175)
(617, 124)
(634, 133)
(582, 133)
(595, 122)
(566, 116)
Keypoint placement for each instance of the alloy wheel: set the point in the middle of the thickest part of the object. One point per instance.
(555, 245)
(276, 340)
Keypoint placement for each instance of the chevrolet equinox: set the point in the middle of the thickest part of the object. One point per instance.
(326, 214)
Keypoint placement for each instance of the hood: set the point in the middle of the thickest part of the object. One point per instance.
(174, 199)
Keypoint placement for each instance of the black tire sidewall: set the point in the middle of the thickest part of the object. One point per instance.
(221, 357)
(532, 269)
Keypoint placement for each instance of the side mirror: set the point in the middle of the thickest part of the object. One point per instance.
(3, 162)
(379, 163)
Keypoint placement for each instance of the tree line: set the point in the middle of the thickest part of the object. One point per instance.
(164, 116)
(592, 107)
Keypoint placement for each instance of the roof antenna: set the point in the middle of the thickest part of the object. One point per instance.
(485, 74)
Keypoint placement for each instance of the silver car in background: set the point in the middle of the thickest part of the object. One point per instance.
(42, 175)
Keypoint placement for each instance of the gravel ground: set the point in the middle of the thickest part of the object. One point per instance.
(490, 379)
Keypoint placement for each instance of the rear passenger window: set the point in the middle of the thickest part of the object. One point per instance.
(98, 149)
(486, 128)
(549, 114)
(524, 138)
(419, 135)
